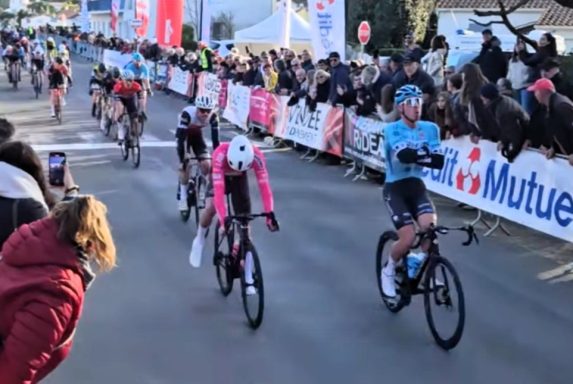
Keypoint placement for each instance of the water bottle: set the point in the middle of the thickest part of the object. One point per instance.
(414, 263)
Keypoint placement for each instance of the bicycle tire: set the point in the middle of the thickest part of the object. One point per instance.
(58, 110)
(254, 320)
(107, 126)
(141, 125)
(135, 152)
(429, 294)
(197, 209)
(222, 262)
(186, 214)
(393, 305)
(99, 110)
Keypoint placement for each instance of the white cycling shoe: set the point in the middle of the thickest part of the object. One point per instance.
(388, 277)
(196, 253)
(250, 290)
(182, 204)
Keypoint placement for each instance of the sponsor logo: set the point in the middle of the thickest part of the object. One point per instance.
(468, 178)
(322, 4)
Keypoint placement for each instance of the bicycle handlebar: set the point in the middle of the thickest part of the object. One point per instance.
(443, 230)
(249, 217)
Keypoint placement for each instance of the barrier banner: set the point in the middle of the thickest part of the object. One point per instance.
(162, 72)
(115, 58)
(208, 85)
(321, 129)
(223, 94)
(237, 109)
(261, 104)
(363, 140)
(531, 191)
(179, 81)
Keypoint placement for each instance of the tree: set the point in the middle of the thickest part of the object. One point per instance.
(21, 15)
(39, 7)
(226, 25)
(5, 18)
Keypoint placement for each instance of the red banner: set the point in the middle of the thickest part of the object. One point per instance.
(223, 94)
(114, 14)
(169, 22)
(142, 13)
(263, 108)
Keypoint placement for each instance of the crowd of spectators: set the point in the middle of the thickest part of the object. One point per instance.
(495, 97)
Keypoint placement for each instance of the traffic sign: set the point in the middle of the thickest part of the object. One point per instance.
(364, 32)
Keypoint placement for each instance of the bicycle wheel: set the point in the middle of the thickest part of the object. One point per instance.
(135, 151)
(58, 110)
(141, 125)
(222, 261)
(254, 305)
(99, 110)
(190, 201)
(438, 290)
(125, 145)
(198, 189)
(382, 254)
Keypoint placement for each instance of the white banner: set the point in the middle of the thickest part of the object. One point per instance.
(115, 58)
(363, 140)
(238, 105)
(328, 26)
(206, 21)
(209, 85)
(179, 81)
(84, 17)
(532, 191)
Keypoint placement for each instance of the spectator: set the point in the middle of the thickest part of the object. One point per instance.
(386, 109)
(518, 73)
(285, 78)
(441, 113)
(449, 71)
(412, 48)
(259, 78)
(206, 58)
(323, 65)
(434, 61)
(301, 88)
(240, 72)
(295, 66)
(223, 71)
(190, 63)
(454, 85)
(6, 130)
(250, 73)
(374, 80)
(319, 92)
(470, 115)
(411, 73)
(547, 48)
(559, 119)
(270, 77)
(395, 64)
(510, 119)
(44, 273)
(307, 64)
(340, 76)
(491, 60)
(505, 87)
(289, 56)
(550, 70)
(273, 56)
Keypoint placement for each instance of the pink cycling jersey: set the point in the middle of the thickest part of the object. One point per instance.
(221, 169)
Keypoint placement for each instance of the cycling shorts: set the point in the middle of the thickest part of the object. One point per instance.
(238, 187)
(130, 105)
(191, 139)
(406, 200)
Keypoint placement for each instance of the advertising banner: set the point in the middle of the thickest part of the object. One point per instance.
(179, 81)
(363, 140)
(237, 109)
(223, 94)
(321, 129)
(328, 26)
(115, 58)
(262, 103)
(531, 191)
(169, 22)
(208, 85)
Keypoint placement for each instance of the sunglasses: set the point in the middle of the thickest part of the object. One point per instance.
(414, 102)
(204, 110)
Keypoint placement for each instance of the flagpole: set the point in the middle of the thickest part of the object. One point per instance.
(200, 34)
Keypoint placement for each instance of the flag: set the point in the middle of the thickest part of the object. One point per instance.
(142, 13)
(206, 21)
(169, 25)
(114, 14)
(286, 9)
(327, 26)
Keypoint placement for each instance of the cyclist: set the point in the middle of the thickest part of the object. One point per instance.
(96, 84)
(409, 146)
(51, 51)
(141, 71)
(38, 60)
(64, 53)
(231, 161)
(189, 134)
(13, 57)
(57, 73)
(126, 89)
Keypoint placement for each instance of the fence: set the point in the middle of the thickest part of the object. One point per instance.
(531, 191)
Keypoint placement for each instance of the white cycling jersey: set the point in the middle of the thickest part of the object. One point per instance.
(189, 118)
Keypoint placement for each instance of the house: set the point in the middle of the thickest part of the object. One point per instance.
(99, 12)
(545, 15)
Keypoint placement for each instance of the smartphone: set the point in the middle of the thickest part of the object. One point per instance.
(56, 162)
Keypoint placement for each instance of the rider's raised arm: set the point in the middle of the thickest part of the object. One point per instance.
(260, 168)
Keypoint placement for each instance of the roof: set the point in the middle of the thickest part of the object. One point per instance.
(554, 15)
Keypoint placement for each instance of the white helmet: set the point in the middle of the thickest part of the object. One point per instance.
(62, 48)
(204, 102)
(241, 154)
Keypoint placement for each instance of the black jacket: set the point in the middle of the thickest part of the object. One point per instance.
(420, 79)
(512, 121)
(493, 63)
(560, 124)
(25, 210)
(339, 75)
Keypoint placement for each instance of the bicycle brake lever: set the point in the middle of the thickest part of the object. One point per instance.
(471, 235)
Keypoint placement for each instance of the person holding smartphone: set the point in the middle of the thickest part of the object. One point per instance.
(25, 194)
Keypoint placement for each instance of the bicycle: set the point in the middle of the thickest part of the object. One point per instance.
(37, 81)
(15, 74)
(433, 289)
(130, 139)
(106, 120)
(230, 267)
(196, 190)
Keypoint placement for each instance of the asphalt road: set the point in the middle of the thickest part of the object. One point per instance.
(155, 320)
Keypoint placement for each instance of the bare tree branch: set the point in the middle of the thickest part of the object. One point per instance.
(565, 3)
(488, 24)
(518, 5)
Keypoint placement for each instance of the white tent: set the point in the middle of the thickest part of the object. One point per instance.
(266, 34)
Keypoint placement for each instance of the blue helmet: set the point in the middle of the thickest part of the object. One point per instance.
(407, 92)
(137, 56)
(128, 75)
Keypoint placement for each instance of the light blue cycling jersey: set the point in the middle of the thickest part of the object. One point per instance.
(398, 136)
(140, 73)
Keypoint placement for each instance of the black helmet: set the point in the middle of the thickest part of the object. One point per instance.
(116, 73)
(101, 68)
